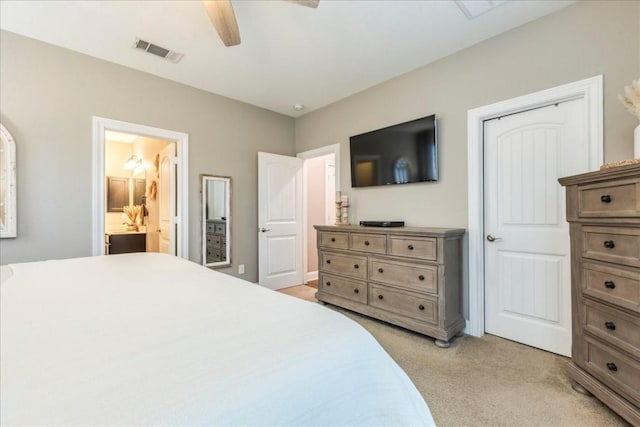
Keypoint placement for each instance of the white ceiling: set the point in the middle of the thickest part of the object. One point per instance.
(289, 54)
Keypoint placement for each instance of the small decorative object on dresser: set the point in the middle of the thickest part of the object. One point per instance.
(631, 101)
(408, 276)
(603, 209)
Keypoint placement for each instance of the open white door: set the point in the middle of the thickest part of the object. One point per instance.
(166, 201)
(280, 222)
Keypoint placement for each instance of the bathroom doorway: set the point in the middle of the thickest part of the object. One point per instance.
(140, 189)
(139, 193)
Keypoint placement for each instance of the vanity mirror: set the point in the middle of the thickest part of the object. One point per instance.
(216, 220)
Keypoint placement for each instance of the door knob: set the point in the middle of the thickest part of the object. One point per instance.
(264, 230)
(493, 238)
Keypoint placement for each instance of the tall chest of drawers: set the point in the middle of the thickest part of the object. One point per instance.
(216, 240)
(603, 209)
(407, 276)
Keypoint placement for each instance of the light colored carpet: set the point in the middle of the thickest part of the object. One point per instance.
(485, 381)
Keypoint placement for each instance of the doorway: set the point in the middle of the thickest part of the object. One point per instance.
(143, 162)
(322, 180)
(589, 92)
(140, 194)
(320, 190)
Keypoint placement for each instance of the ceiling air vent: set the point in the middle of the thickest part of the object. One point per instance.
(474, 8)
(156, 50)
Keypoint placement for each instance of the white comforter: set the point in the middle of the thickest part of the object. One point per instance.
(151, 339)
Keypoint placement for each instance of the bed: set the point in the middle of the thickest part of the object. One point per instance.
(150, 339)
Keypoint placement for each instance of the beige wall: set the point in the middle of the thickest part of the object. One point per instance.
(48, 96)
(580, 41)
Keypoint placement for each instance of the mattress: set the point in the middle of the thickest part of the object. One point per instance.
(151, 339)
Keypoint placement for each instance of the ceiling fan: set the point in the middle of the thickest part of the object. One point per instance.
(224, 20)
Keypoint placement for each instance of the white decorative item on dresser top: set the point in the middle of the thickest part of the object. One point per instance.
(603, 209)
(408, 276)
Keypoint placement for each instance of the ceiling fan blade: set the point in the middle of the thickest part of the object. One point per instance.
(307, 3)
(224, 20)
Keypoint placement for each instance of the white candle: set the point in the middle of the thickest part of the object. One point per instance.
(345, 199)
(338, 196)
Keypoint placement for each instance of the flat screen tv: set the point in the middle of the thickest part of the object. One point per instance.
(398, 154)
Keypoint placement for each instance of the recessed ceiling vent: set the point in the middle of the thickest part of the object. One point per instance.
(156, 50)
(474, 8)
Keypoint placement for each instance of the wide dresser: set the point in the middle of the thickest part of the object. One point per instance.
(603, 209)
(407, 276)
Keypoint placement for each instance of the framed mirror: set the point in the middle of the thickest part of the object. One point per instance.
(216, 220)
(8, 219)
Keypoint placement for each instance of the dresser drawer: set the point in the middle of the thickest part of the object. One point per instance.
(414, 247)
(373, 243)
(613, 326)
(613, 368)
(423, 278)
(215, 255)
(349, 265)
(214, 241)
(416, 306)
(618, 245)
(345, 288)
(618, 199)
(332, 239)
(217, 228)
(615, 285)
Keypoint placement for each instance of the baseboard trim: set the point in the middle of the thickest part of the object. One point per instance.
(312, 275)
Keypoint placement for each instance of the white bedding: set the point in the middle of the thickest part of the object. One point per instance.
(149, 339)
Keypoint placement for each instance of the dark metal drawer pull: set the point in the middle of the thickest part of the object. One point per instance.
(610, 325)
(609, 244)
(612, 366)
(410, 247)
(609, 284)
(605, 198)
(333, 239)
(328, 283)
(328, 261)
(356, 291)
(421, 277)
(366, 243)
(356, 266)
(380, 297)
(421, 307)
(380, 270)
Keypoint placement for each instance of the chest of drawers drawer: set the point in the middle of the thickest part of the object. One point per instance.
(613, 326)
(371, 243)
(409, 304)
(345, 264)
(613, 368)
(620, 199)
(612, 244)
(215, 241)
(333, 239)
(346, 288)
(617, 286)
(413, 247)
(419, 277)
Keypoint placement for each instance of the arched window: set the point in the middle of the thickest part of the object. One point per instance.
(8, 221)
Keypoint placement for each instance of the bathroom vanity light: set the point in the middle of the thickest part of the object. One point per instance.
(134, 162)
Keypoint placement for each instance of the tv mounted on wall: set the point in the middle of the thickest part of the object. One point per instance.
(398, 154)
